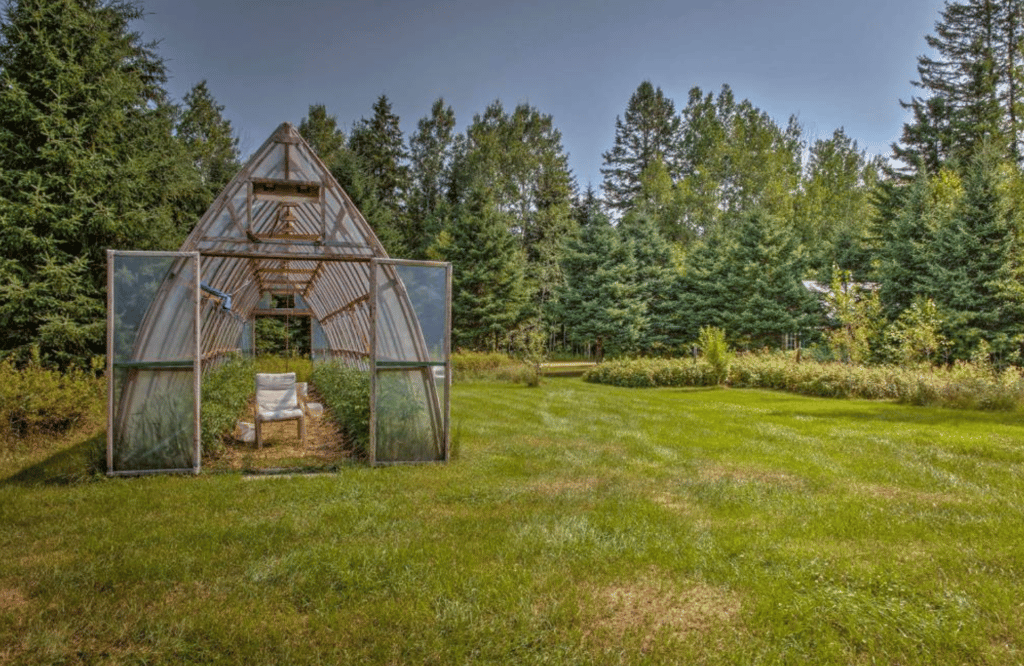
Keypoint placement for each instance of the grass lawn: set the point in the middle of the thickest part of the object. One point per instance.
(578, 524)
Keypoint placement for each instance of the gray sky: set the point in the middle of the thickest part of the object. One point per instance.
(831, 64)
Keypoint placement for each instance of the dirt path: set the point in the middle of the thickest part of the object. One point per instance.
(324, 446)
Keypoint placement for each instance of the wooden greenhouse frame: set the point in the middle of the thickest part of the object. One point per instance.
(283, 225)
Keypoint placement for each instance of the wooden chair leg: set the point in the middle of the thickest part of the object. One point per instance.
(259, 434)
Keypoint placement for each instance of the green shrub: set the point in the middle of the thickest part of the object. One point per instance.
(716, 352)
(346, 395)
(36, 400)
(225, 392)
(963, 385)
(492, 366)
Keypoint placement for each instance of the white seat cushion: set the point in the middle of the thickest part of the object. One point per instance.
(280, 414)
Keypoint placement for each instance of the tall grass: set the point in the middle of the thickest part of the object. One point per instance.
(963, 385)
(492, 366)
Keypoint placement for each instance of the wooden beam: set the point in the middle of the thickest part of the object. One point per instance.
(274, 312)
(312, 280)
(280, 256)
(348, 306)
(289, 270)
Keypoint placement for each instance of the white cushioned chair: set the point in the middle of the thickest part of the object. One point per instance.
(277, 400)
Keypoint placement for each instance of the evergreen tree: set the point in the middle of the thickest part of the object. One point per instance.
(320, 130)
(88, 161)
(746, 279)
(906, 253)
(599, 302)
(431, 153)
(381, 158)
(209, 141)
(488, 294)
(518, 159)
(976, 274)
(971, 86)
(655, 276)
(648, 130)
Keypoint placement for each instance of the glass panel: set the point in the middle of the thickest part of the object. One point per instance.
(409, 426)
(153, 346)
(158, 431)
(411, 313)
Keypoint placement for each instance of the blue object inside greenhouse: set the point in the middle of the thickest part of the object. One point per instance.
(225, 299)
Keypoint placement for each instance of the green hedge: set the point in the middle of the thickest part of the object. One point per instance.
(346, 395)
(964, 385)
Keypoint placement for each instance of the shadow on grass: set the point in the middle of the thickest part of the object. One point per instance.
(71, 465)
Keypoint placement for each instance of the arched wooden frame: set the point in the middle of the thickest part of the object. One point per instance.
(282, 225)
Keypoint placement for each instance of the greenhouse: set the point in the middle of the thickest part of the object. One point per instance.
(282, 238)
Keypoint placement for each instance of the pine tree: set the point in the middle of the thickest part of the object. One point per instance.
(208, 137)
(654, 278)
(209, 141)
(488, 294)
(88, 161)
(746, 279)
(320, 130)
(971, 86)
(976, 273)
(599, 302)
(518, 159)
(906, 253)
(648, 130)
(379, 153)
(431, 153)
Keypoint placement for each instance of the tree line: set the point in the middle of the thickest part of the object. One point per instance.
(713, 213)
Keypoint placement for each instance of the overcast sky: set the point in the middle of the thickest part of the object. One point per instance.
(832, 64)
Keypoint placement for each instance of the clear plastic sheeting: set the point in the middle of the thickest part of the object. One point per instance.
(153, 396)
(319, 348)
(411, 345)
(407, 409)
(247, 339)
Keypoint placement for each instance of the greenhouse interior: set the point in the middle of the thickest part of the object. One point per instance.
(281, 240)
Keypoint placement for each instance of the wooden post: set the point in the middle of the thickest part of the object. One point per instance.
(197, 369)
(110, 360)
(372, 444)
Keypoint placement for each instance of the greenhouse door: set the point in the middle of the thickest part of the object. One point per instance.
(153, 362)
(410, 353)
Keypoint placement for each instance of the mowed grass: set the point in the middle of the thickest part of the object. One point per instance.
(578, 524)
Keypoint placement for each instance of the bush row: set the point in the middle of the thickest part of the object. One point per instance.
(963, 385)
(36, 400)
(346, 395)
(491, 366)
(226, 390)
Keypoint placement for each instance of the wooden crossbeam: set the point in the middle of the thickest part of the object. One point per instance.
(348, 306)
